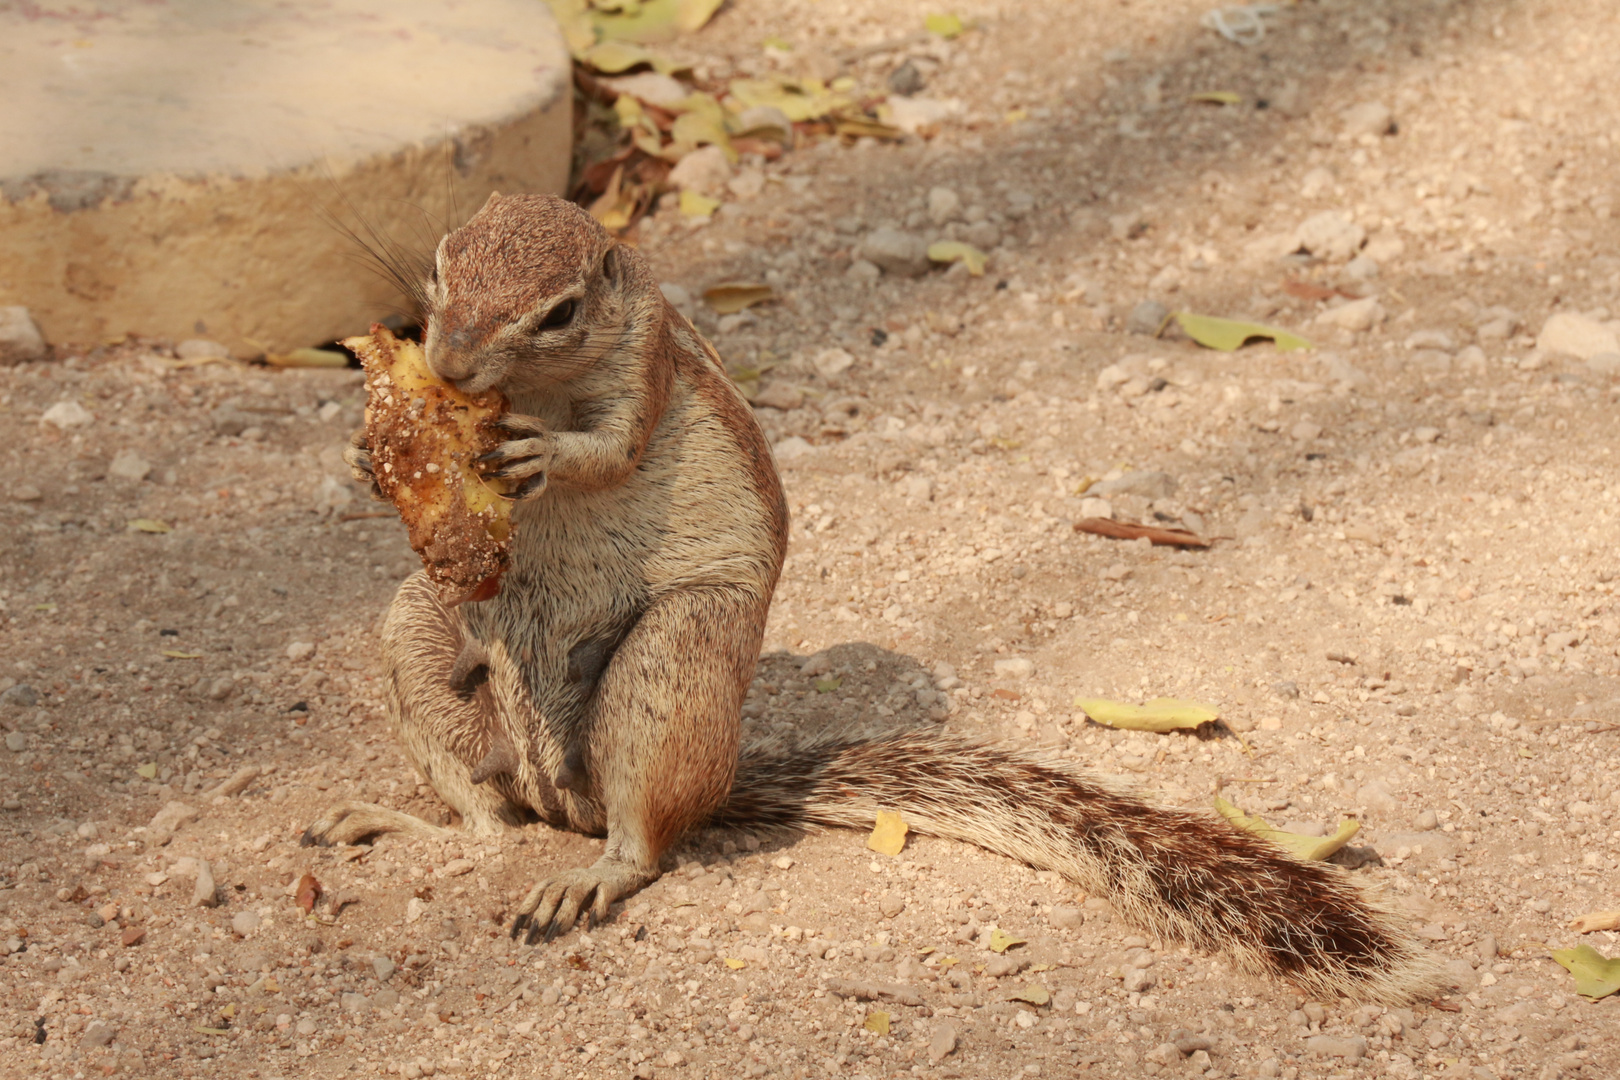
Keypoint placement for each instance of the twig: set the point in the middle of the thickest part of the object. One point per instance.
(1121, 530)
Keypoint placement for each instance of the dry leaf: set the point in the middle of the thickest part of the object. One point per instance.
(695, 205)
(734, 964)
(827, 686)
(947, 26)
(1309, 848)
(1216, 97)
(1034, 993)
(309, 891)
(877, 1022)
(1228, 334)
(1596, 976)
(309, 358)
(1596, 920)
(1160, 714)
(1306, 290)
(856, 127)
(1001, 941)
(730, 297)
(1124, 530)
(889, 834)
(206, 1030)
(949, 251)
(647, 22)
(176, 654)
(148, 525)
(799, 99)
(148, 771)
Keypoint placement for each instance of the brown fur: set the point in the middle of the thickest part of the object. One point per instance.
(601, 689)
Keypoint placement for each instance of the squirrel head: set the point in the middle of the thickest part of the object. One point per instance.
(527, 294)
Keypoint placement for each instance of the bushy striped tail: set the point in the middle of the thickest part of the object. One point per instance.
(1185, 876)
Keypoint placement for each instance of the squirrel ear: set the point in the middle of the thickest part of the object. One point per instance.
(610, 266)
(494, 197)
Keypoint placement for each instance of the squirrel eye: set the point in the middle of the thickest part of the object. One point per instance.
(561, 315)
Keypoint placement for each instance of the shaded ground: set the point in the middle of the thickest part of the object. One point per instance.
(1408, 616)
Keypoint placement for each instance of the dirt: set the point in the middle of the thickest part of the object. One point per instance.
(1406, 616)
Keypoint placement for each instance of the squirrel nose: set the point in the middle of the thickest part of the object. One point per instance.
(450, 355)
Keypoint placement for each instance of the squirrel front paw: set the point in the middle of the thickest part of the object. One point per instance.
(357, 456)
(526, 457)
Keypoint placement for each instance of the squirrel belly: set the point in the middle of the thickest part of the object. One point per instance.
(1184, 875)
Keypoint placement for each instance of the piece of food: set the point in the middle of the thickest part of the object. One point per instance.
(426, 438)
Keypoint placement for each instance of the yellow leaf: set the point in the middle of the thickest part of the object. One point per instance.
(148, 525)
(271, 986)
(206, 1030)
(699, 128)
(695, 205)
(949, 961)
(47, 609)
(229, 1011)
(1015, 116)
(147, 771)
(1216, 97)
(1001, 941)
(309, 358)
(730, 297)
(1596, 976)
(877, 1022)
(1160, 714)
(735, 964)
(1034, 993)
(176, 654)
(615, 57)
(889, 834)
(1309, 848)
(946, 26)
(856, 127)
(827, 686)
(949, 251)
(1526, 753)
(651, 20)
(799, 99)
(777, 43)
(1228, 334)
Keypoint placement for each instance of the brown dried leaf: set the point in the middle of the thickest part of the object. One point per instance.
(1122, 530)
(309, 891)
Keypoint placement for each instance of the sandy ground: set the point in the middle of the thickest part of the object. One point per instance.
(1407, 613)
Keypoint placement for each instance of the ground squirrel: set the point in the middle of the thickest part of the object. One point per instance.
(602, 688)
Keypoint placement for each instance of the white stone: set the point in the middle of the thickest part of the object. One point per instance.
(1367, 118)
(1092, 506)
(779, 395)
(664, 91)
(944, 205)
(1330, 235)
(895, 252)
(20, 339)
(299, 651)
(67, 414)
(1568, 334)
(830, 364)
(1357, 315)
(1316, 181)
(128, 465)
(704, 170)
(1016, 667)
(915, 114)
(791, 447)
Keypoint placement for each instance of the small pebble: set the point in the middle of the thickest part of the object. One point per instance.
(1351, 1048)
(1146, 317)
(245, 922)
(299, 651)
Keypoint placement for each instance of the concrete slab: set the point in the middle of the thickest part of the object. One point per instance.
(171, 168)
